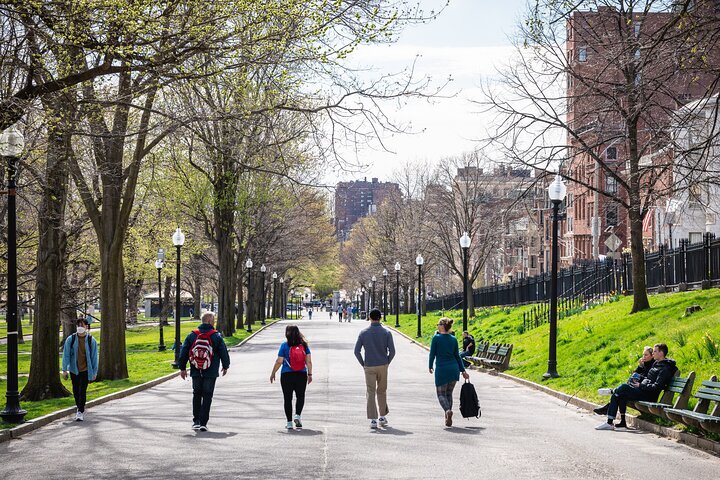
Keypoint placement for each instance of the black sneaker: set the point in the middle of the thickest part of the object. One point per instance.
(602, 410)
(622, 424)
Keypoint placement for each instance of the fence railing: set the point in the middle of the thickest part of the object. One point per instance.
(683, 267)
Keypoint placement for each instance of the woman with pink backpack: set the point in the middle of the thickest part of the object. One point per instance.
(296, 362)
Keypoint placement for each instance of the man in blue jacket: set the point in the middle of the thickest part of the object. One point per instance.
(80, 360)
(203, 380)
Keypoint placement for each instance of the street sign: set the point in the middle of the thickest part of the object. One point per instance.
(613, 242)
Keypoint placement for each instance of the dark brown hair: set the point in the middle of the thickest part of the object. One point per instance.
(294, 337)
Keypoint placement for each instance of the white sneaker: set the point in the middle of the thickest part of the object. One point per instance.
(373, 423)
(196, 426)
(80, 416)
(382, 421)
(289, 425)
(605, 391)
(605, 426)
(203, 428)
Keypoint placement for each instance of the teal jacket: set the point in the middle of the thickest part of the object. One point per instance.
(69, 358)
(444, 353)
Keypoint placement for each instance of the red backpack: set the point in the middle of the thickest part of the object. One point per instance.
(297, 358)
(201, 350)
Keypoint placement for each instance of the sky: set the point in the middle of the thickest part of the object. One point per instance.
(467, 42)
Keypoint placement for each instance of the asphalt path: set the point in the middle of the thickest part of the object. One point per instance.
(523, 433)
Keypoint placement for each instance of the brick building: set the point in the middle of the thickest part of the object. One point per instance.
(354, 200)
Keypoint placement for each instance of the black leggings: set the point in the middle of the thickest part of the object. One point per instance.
(293, 382)
(80, 385)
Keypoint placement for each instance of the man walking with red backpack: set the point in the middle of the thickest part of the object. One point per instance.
(205, 349)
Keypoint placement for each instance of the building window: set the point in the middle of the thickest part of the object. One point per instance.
(611, 153)
(611, 215)
(569, 224)
(582, 54)
(695, 237)
(610, 184)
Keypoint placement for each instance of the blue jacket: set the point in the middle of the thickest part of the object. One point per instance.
(69, 358)
(220, 353)
(378, 344)
(444, 352)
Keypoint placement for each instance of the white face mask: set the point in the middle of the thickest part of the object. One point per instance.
(81, 330)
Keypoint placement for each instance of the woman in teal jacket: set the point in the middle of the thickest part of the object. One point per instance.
(80, 359)
(448, 365)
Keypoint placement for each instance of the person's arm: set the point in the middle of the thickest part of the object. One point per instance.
(66, 358)
(224, 355)
(184, 354)
(391, 347)
(95, 357)
(278, 363)
(459, 361)
(308, 365)
(661, 381)
(358, 347)
(431, 357)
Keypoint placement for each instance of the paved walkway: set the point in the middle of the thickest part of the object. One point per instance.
(522, 433)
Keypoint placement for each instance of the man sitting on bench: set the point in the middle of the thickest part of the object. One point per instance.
(468, 347)
(648, 389)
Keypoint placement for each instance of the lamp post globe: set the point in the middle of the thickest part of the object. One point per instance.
(465, 246)
(556, 193)
(178, 240)
(419, 261)
(397, 294)
(12, 144)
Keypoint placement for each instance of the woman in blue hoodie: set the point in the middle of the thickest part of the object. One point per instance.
(448, 365)
(80, 360)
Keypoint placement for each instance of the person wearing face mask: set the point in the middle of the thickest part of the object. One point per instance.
(80, 360)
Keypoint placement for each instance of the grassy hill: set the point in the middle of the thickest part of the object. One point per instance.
(600, 346)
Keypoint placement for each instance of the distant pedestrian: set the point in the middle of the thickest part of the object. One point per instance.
(340, 313)
(205, 348)
(310, 312)
(331, 312)
(80, 360)
(379, 352)
(296, 361)
(349, 313)
(448, 365)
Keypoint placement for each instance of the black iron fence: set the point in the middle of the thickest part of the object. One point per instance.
(687, 266)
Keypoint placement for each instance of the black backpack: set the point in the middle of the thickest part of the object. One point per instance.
(469, 404)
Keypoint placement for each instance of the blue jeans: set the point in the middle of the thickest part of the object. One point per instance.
(622, 394)
(203, 389)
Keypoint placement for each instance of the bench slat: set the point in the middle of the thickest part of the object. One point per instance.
(710, 383)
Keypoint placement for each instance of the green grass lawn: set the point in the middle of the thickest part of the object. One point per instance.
(26, 327)
(600, 346)
(145, 363)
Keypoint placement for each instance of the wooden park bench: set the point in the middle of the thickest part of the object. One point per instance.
(480, 352)
(498, 357)
(678, 385)
(699, 417)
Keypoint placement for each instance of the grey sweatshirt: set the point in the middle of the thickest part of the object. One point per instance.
(378, 344)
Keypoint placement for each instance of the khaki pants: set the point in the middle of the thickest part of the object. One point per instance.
(376, 382)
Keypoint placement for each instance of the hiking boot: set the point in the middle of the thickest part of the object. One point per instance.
(298, 423)
(289, 425)
(602, 410)
(382, 421)
(373, 423)
(605, 426)
(448, 418)
(203, 428)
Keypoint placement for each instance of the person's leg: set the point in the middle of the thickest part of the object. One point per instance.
(82, 391)
(197, 386)
(208, 388)
(441, 391)
(371, 387)
(287, 389)
(449, 392)
(76, 389)
(382, 379)
(300, 382)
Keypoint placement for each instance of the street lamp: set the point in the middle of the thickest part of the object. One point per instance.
(275, 295)
(362, 301)
(465, 245)
(178, 239)
(419, 262)
(292, 301)
(159, 265)
(281, 298)
(556, 192)
(12, 143)
(372, 297)
(397, 294)
(263, 269)
(385, 275)
(248, 265)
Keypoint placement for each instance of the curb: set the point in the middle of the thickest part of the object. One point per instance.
(35, 423)
(683, 437)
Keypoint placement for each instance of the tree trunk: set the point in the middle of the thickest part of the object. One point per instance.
(640, 297)
(44, 381)
(471, 303)
(197, 297)
(133, 293)
(113, 362)
(226, 279)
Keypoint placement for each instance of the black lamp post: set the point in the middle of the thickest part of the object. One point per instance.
(12, 144)
(397, 294)
(159, 266)
(556, 192)
(275, 295)
(369, 296)
(248, 265)
(292, 303)
(282, 298)
(178, 239)
(373, 280)
(419, 262)
(465, 245)
(385, 275)
(363, 305)
(263, 269)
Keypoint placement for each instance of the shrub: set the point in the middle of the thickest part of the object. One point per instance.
(679, 338)
(711, 346)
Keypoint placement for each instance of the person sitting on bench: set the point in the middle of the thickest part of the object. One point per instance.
(468, 347)
(645, 389)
